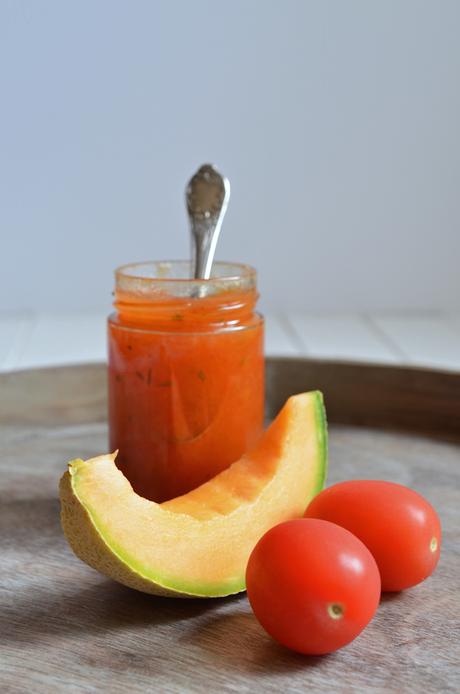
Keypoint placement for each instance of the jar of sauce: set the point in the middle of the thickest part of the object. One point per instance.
(186, 374)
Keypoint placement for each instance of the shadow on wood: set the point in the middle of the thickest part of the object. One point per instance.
(236, 639)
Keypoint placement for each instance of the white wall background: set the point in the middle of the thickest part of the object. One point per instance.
(336, 121)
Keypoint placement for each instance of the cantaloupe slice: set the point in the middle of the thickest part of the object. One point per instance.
(197, 545)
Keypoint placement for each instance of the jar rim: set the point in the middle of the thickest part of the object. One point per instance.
(139, 272)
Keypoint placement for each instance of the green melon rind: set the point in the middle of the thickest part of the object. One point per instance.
(322, 436)
(88, 541)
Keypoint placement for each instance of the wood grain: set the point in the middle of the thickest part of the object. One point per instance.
(65, 628)
(395, 397)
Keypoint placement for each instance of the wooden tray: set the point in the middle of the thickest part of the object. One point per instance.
(65, 628)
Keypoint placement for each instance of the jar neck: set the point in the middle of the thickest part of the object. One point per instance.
(230, 310)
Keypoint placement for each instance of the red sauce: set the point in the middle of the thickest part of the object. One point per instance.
(186, 387)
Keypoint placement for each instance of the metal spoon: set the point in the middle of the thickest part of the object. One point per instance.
(207, 196)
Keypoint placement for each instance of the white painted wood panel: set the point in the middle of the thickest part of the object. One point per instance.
(348, 337)
(454, 320)
(64, 339)
(15, 330)
(426, 339)
(279, 340)
(28, 340)
(54, 339)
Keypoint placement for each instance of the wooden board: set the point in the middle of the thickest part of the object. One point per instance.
(65, 628)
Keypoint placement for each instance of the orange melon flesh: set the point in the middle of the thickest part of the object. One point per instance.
(197, 545)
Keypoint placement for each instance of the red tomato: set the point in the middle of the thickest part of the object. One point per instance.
(397, 525)
(313, 586)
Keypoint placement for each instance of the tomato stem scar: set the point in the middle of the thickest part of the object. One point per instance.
(335, 610)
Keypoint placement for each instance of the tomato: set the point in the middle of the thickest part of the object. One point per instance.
(313, 586)
(399, 527)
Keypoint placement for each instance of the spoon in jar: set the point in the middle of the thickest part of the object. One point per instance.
(207, 196)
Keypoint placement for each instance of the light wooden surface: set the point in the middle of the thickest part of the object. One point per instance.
(30, 340)
(67, 629)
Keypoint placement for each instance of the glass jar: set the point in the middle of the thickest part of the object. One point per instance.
(186, 374)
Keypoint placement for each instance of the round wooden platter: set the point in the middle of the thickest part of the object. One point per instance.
(65, 628)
